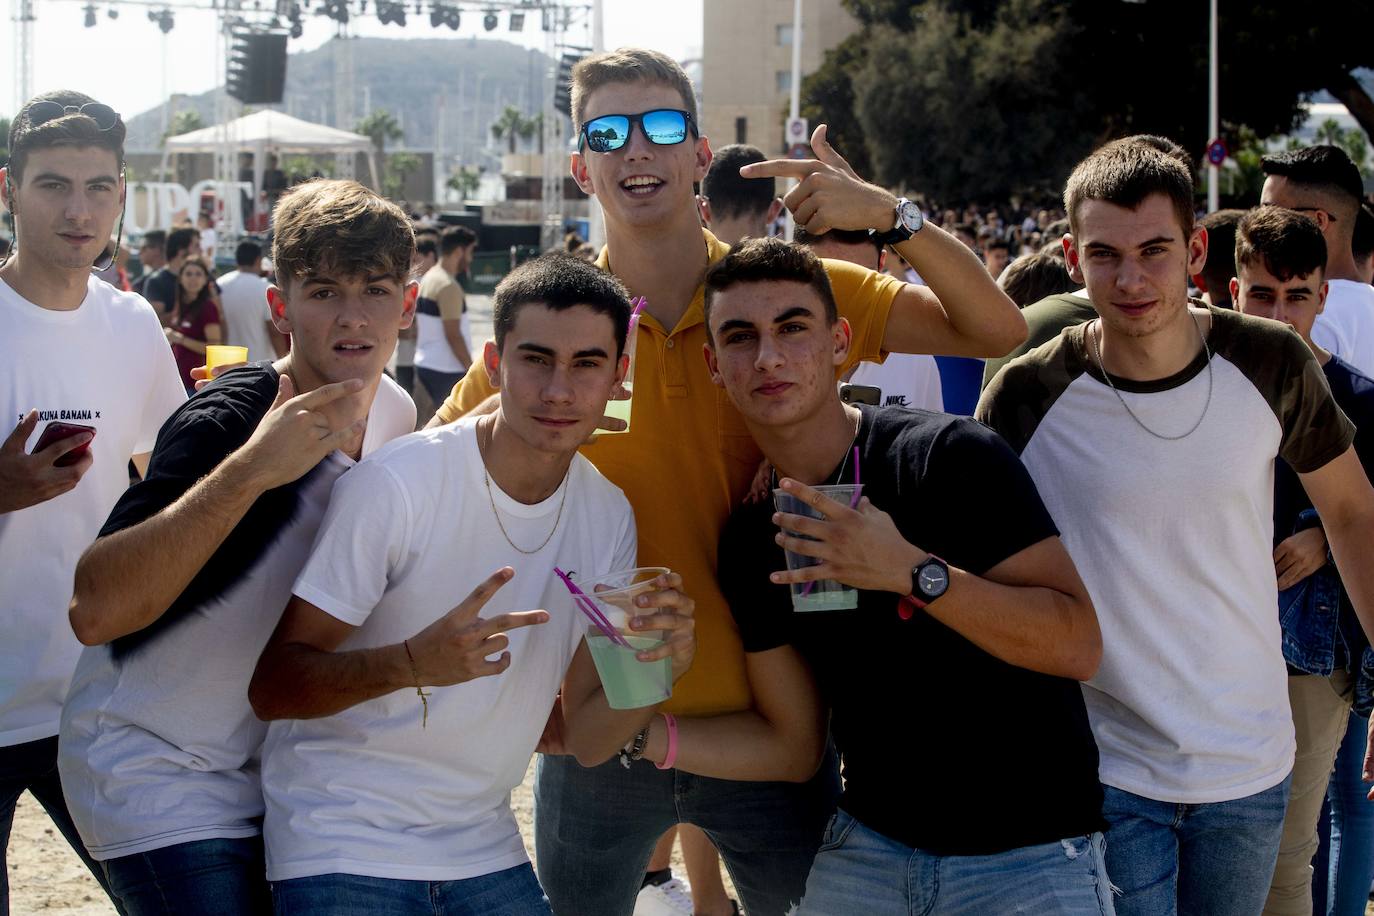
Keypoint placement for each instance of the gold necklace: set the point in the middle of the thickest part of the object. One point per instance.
(486, 478)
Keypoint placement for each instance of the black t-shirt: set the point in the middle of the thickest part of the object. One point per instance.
(945, 748)
(161, 290)
(205, 430)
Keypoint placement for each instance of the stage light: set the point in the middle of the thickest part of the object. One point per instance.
(112, 13)
(440, 14)
(390, 12)
(489, 21)
(517, 21)
(90, 15)
(164, 19)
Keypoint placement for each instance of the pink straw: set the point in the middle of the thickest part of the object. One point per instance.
(853, 502)
(588, 607)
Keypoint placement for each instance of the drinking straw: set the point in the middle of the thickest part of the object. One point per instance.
(853, 502)
(588, 607)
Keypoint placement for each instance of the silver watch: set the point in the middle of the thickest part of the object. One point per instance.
(909, 221)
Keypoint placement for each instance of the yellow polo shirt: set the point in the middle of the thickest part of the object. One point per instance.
(688, 460)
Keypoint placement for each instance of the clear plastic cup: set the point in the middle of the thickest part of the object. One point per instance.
(622, 398)
(628, 682)
(825, 594)
(221, 355)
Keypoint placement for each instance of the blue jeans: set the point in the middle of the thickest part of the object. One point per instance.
(1212, 859)
(217, 877)
(1352, 827)
(595, 829)
(33, 766)
(439, 385)
(512, 892)
(861, 871)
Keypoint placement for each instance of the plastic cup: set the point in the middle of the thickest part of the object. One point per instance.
(622, 399)
(220, 355)
(825, 594)
(628, 682)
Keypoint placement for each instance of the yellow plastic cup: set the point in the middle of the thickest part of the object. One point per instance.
(217, 355)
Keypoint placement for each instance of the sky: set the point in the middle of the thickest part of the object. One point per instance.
(120, 61)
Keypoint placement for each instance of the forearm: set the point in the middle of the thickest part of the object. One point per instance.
(740, 746)
(127, 580)
(1349, 536)
(486, 406)
(190, 343)
(985, 321)
(298, 681)
(1033, 627)
(593, 732)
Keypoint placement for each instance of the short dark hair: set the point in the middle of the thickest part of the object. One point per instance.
(68, 130)
(248, 253)
(326, 225)
(1125, 173)
(769, 260)
(179, 240)
(997, 243)
(1221, 252)
(729, 194)
(1323, 167)
(560, 281)
(967, 229)
(1362, 243)
(843, 236)
(425, 244)
(455, 237)
(154, 238)
(1288, 243)
(1034, 277)
(1162, 144)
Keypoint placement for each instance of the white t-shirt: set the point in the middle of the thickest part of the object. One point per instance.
(1346, 324)
(408, 534)
(209, 241)
(105, 364)
(905, 379)
(159, 745)
(1174, 542)
(440, 299)
(246, 313)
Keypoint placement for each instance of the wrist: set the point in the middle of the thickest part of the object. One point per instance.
(884, 219)
(245, 475)
(903, 582)
(656, 742)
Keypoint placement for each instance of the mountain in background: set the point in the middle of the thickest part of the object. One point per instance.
(461, 83)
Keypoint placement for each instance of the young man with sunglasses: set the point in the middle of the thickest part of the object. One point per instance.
(1323, 183)
(688, 460)
(86, 371)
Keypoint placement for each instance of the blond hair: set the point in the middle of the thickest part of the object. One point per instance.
(628, 65)
(330, 226)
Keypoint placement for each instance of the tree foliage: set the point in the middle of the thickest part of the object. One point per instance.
(513, 125)
(984, 98)
(183, 122)
(399, 166)
(465, 181)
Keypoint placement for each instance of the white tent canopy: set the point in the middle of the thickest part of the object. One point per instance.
(269, 131)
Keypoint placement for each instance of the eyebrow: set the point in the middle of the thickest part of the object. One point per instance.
(53, 176)
(1157, 240)
(330, 281)
(548, 351)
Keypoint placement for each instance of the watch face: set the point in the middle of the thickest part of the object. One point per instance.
(910, 216)
(933, 579)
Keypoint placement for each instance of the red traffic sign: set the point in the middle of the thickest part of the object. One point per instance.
(1217, 152)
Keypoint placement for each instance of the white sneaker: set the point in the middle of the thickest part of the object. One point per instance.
(671, 898)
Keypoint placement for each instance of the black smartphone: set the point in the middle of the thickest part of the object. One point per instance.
(56, 431)
(861, 394)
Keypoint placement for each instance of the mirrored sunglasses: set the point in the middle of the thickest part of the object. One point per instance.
(104, 116)
(661, 127)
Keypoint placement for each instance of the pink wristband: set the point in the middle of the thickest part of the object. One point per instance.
(671, 757)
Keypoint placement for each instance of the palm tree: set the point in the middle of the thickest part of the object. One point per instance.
(381, 126)
(508, 127)
(465, 181)
(183, 122)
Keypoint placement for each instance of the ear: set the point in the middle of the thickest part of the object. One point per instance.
(491, 361)
(844, 338)
(1323, 219)
(1197, 250)
(410, 296)
(774, 209)
(704, 209)
(276, 305)
(704, 156)
(712, 364)
(1321, 297)
(6, 189)
(622, 368)
(882, 260)
(1234, 288)
(1071, 260)
(577, 166)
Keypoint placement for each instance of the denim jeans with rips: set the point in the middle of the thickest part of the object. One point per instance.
(1213, 859)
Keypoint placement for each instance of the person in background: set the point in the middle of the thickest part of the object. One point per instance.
(733, 207)
(196, 322)
(1033, 277)
(1214, 280)
(426, 256)
(443, 340)
(996, 255)
(247, 319)
(161, 288)
(1362, 244)
(209, 238)
(151, 256)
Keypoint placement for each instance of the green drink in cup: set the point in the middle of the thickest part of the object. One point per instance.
(629, 683)
(825, 594)
(622, 398)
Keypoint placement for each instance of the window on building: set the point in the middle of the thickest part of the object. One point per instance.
(784, 78)
(785, 35)
(741, 130)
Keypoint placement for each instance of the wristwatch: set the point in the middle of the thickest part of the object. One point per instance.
(909, 221)
(929, 580)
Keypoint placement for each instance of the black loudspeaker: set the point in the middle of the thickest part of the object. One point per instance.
(257, 68)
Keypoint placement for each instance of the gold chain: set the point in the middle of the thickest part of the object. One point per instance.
(486, 478)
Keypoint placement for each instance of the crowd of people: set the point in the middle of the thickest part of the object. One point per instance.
(1133, 588)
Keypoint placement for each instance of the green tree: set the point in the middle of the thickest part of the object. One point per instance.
(380, 126)
(510, 126)
(399, 166)
(465, 180)
(298, 168)
(183, 122)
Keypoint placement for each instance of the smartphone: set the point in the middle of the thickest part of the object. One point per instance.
(56, 431)
(861, 394)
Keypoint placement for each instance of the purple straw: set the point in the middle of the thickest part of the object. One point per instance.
(588, 607)
(853, 502)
